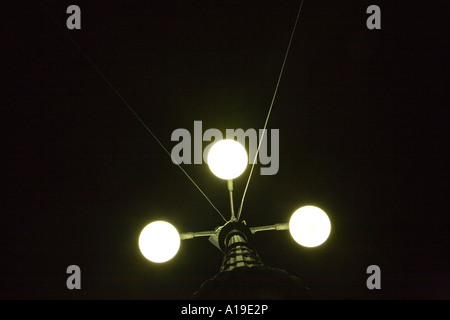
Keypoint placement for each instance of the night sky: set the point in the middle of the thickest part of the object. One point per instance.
(362, 116)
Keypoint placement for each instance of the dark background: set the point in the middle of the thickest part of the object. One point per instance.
(363, 124)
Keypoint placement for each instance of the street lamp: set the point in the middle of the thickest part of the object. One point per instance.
(159, 241)
(227, 159)
(309, 226)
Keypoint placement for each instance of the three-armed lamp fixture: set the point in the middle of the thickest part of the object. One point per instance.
(159, 241)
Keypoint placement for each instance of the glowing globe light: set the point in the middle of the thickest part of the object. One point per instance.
(159, 241)
(227, 159)
(309, 226)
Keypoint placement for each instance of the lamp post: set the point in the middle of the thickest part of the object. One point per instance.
(243, 275)
(241, 267)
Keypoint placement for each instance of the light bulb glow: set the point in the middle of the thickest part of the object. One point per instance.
(309, 226)
(227, 159)
(159, 241)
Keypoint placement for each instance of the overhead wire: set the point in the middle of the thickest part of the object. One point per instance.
(133, 112)
(160, 143)
(269, 111)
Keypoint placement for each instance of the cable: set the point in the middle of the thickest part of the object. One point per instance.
(270, 110)
(133, 112)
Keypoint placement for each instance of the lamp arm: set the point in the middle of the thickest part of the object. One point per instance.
(191, 235)
(277, 227)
